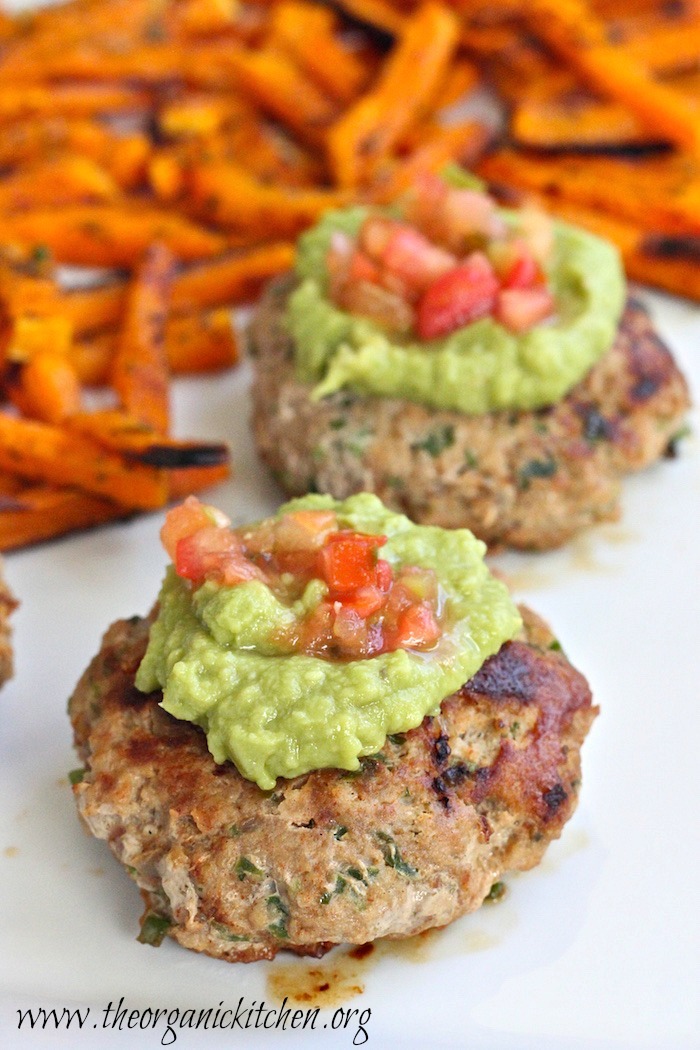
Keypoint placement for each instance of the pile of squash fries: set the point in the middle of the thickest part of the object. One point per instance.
(180, 146)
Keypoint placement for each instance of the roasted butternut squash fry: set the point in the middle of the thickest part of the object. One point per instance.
(571, 30)
(68, 179)
(228, 196)
(228, 280)
(30, 141)
(577, 125)
(194, 343)
(139, 370)
(661, 195)
(183, 481)
(371, 128)
(276, 84)
(45, 386)
(42, 452)
(43, 512)
(22, 102)
(110, 235)
(120, 431)
(306, 31)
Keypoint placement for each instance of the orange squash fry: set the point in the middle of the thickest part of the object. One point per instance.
(124, 156)
(29, 292)
(32, 333)
(43, 512)
(22, 102)
(204, 17)
(202, 114)
(10, 485)
(45, 30)
(47, 453)
(370, 128)
(109, 234)
(275, 83)
(122, 432)
(139, 371)
(667, 48)
(67, 179)
(661, 195)
(194, 343)
(184, 481)
(306, 31)
(231, 280)
(45, 387)
(228, 280)
(227, 195)
(257, 146)
(572, 31)
(576, 126)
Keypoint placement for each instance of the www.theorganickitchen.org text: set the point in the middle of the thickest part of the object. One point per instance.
(167, 1023)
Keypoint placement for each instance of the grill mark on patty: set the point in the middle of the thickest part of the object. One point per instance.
(512, 674)
(649, 361)
(554, 797)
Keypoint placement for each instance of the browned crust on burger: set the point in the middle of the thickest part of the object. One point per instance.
(412, 840)
(521, 479)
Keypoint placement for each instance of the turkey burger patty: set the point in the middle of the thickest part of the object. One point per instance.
(521, 478)
(413, 839)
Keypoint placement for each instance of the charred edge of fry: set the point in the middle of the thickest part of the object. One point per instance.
(672, 247)
(174, 456)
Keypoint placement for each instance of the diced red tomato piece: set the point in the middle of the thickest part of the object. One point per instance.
(384, 575)
(518, 309)
(363, 268)
(516, 265)
(365, 601)
(524, 272)
(186, 519)
(417, 627)
(348, 561)
(457, 298)
(414, 260)
(216, 554)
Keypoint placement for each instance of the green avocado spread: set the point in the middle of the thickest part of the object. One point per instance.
(212, 652)
(479, 368)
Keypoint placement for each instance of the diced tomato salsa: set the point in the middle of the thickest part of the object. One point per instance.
(369, 608)
(450, 261)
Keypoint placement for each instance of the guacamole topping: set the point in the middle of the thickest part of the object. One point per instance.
(228, 655)
(487, 364)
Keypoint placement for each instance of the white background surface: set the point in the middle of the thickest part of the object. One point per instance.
(596, 948)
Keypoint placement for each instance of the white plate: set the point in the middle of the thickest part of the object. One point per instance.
(596, 947)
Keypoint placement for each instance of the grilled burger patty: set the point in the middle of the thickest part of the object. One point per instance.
(412, 840)
(523, 479)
